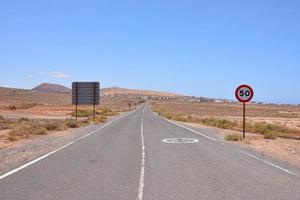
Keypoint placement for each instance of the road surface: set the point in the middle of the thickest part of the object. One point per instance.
(127, 159)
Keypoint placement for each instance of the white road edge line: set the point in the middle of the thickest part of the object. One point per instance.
(201, 134)
(142, 174)
(269, 163)
(63, 147)
(244, 152)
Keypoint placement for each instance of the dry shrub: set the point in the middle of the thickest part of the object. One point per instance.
(107, 112)
(270, 131)
(39, 131)
(82, 113)
(220, 123)
(23, 119)
(89, 112)
(12, 108)
(233, 137)
(100, 119)
(24, 130)
(270, 135)
(5, 124)
(72, 123)
(55, 126)
(27, 106)
(180, 118)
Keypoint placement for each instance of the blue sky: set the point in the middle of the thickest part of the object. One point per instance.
(200, 48)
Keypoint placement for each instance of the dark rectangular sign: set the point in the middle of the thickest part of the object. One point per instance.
(85, 93)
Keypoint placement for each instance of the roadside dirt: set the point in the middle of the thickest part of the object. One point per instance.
(14, 154)
(287, 150)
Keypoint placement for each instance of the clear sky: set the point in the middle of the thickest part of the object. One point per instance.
(192, 47)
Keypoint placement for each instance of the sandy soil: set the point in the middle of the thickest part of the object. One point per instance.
(287, 116)
(14, 154)
(205, 109)
(287, 150)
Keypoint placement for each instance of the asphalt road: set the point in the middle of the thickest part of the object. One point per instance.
(127, 159)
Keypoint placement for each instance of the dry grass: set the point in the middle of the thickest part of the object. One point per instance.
(72, 123)
(55, 126)
(33, 104)
(220, 123)
(89, 112)
(5, 124)
(101, 114)
(270, 131)
(107, 112)
(100, 119)
(205, 109)
(26, 128)
(233, 137)
(51, 103)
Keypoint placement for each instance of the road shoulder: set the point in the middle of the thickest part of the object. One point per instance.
(284, 152)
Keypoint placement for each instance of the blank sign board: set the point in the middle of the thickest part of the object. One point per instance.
(85, 93)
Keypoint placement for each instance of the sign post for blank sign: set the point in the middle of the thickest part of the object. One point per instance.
(244, 94)
(86, 93)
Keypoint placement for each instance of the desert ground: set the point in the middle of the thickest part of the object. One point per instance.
(32, 110)
(271, 129)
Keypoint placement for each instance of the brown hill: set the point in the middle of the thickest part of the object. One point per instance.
(53, 94)
(118, 90)
(22, 98)
(49, 87)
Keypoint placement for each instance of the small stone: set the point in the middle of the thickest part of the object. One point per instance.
(293, 152)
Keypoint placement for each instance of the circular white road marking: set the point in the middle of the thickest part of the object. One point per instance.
(180, 140)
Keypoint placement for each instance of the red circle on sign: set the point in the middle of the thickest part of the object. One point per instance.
(237, 93)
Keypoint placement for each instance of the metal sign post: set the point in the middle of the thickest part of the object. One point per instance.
(86, 93)
(94, 101)
(244, 120)
(76, 99)
(244, 94)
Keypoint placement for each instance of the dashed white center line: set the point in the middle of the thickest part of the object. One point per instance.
(63, 147)
(142, 174)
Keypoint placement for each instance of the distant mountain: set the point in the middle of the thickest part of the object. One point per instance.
(49, 87)
(118, 90)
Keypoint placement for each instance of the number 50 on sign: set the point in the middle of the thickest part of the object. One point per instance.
(244, 94)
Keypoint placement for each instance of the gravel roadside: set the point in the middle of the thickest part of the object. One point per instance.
(285, 152)
(23, 151)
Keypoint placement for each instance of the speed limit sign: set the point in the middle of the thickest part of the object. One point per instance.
(244, 93)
